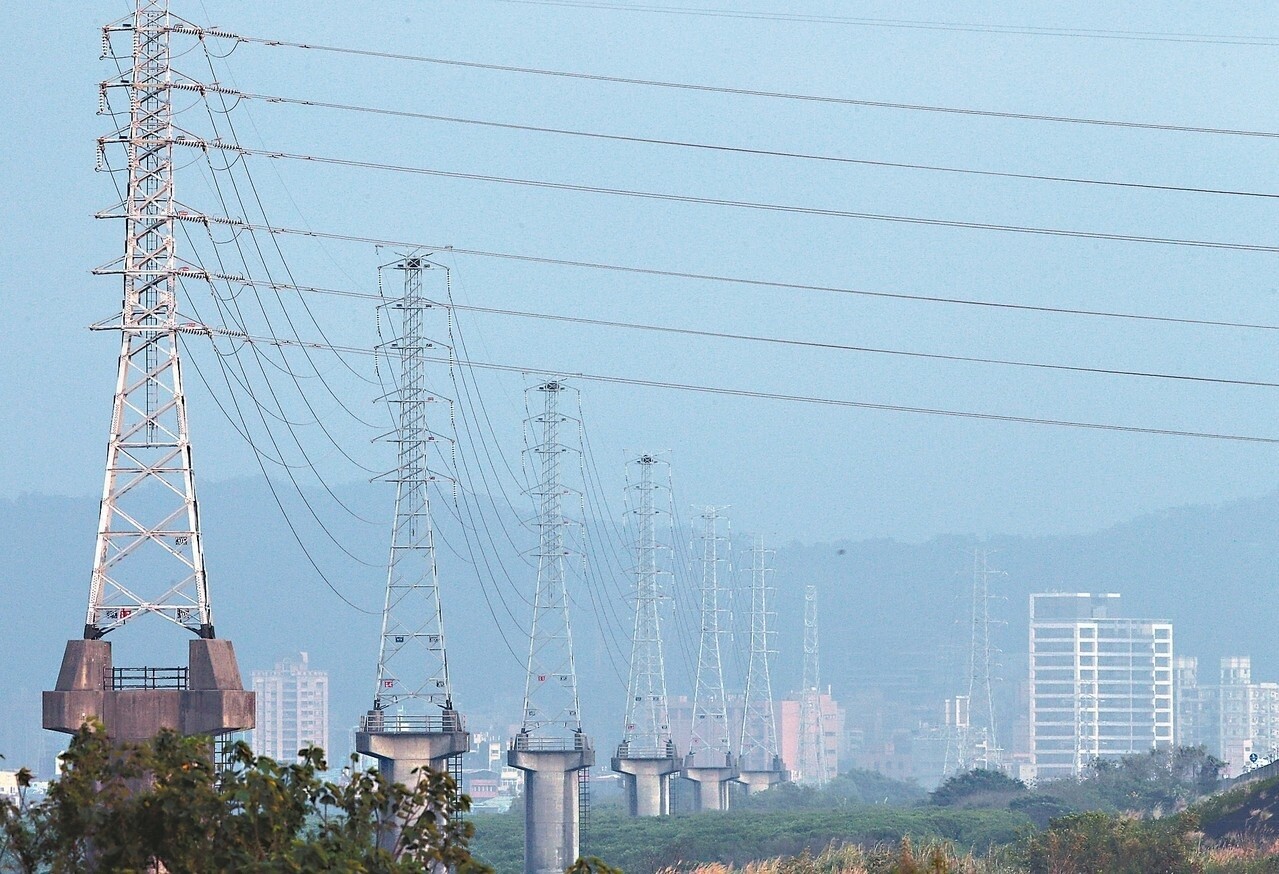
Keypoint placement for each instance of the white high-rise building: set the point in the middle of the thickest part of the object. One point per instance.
(292, 709)
(1100, 685)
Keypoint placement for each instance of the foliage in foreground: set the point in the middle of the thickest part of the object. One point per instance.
(131, 807)
(641, 846)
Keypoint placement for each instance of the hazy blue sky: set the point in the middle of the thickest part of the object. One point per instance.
(799, 472)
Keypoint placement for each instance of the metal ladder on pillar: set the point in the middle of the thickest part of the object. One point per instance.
(454, 769)
(583, 800)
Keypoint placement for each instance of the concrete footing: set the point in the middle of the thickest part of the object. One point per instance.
(400, 753)
(551, 824)
(647, 782)
(758, 781)
(136, 704)
(404, 745)
(712, 785)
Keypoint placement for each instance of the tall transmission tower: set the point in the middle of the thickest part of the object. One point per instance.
(710, 762)
(646, 757)
(149, 553)
(978, 742)
(551, 746)
(761, 766)
(812, 731)
(412, 723)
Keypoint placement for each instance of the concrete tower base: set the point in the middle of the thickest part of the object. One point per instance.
(712, 786)
(647, 783)
(401, 752)
(758, 781)
(403, 745)
(135, 705)
(551, 825)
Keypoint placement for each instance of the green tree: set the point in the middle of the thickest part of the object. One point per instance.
(1099, 843)
(129, 807)
(979, 782)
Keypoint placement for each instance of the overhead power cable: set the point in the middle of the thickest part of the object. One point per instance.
(735, 204)
(792, 286)
(812, 344)
(778, 396)
(713, 147)
(909, 24)
(206, 33)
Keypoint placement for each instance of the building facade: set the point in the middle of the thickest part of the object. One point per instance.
(1101, 686)
(292, 709)
(1235, 719)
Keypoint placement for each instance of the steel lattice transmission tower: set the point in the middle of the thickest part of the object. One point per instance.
(760, 764)
(551, 748)
(710, 762)
(412, 723)
(149, 553)
(979, 747)
(646, 757)
(812, 731)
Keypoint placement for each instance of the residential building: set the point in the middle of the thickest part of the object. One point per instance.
(1100, 685)
(1235, 719)
(292, 709)
(790, 728)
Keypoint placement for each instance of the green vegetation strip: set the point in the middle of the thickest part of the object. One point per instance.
(640, 846)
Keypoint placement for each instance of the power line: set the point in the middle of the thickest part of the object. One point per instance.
(760, 206)
(791, 286)
(778, 396)
(908, 24)
(205, 33)
(817, 344)
(710, 147)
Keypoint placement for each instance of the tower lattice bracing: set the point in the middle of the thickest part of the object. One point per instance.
(413, 667)
(812, 731)
(978, 745)
(551, 748)
(550, 689)
(710, 761)
(149, 555)
(648, 730)
(759, 761)
(412, 724)
(646, 757)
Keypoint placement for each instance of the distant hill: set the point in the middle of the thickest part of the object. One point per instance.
(891, 612)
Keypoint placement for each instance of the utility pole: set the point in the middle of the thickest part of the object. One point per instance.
(412, 723)
(551, 748)
(149, 555)
(812, 732)
(646, 758)
(761, 766)
(710, 762)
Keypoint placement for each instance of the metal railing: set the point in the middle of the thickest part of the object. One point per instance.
(116, 679)
(646, 751)
(382, 722)
(523, 742)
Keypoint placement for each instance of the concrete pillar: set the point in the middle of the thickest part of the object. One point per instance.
(551, 825)
(211, 700)
(758, 781)
(712, 786)
(405, 745)
(647, 783)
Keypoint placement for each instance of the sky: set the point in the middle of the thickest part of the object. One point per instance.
(792, 471)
